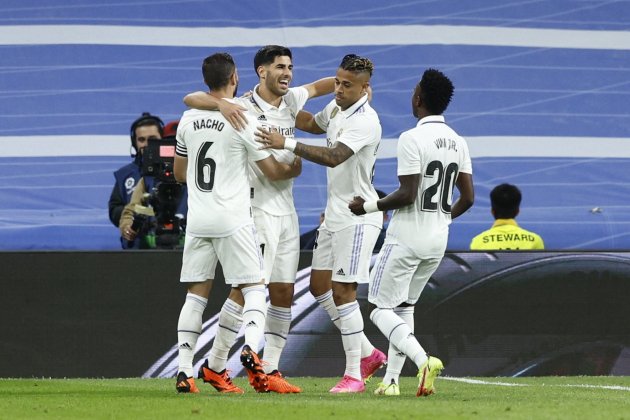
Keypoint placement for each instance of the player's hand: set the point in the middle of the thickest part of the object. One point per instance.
(270, 139)
(356, 206)
(234, 113)
(296, 166)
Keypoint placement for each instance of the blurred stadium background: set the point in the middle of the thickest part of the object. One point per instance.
(542, 90)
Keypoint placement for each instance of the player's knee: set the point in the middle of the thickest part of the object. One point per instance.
(281, 294)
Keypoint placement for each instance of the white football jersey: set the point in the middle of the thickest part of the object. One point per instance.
(436, 152)
(359, 128)
(275, 197)
(217, 174)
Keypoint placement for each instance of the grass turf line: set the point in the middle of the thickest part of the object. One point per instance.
(549, 397)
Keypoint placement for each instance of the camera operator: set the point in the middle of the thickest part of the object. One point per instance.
(154, 215)
(146, 127)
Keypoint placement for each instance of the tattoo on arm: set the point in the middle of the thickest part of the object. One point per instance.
(327, 156)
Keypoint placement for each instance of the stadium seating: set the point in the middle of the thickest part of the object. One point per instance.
(541, 94)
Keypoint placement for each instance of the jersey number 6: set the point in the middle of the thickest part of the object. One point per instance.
(205, 169)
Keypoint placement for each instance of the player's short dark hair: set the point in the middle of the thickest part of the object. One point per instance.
(356, 64)
(267, 55)
(436, 91)
(217, 70)
(506, 201)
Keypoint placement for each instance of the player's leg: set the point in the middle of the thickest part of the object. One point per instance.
(281, 238)
(321, 289)
(213, 370)
(390, 286)
(321, 275)
(352, 252)
(242, 264)
(432, 367)
(351, 327)
(198, 265)
(395, 358)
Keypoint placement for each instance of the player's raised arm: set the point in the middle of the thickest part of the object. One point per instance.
(320, 87)
(305, 121)
(234, 113)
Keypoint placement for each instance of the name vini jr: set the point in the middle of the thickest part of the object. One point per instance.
(448, 144)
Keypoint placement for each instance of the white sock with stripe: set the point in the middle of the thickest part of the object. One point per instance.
(351, 331)
(276, 331)
(326, 301)
(399, 334)
(230, 322)
(254, 312)
(188, 330)
(396, 358)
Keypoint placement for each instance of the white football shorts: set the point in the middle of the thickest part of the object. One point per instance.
(399, 276)
(279, 238)
(346, 252)
(239, 255)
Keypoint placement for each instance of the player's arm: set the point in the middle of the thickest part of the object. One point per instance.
(179, 168)
(305, 121)
(327, 156)
(277, 171)
(320, 87)
(405, 195)
(466, 197)
(234, 113)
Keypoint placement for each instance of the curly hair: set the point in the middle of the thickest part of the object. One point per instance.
(436, 91)
(357, 64)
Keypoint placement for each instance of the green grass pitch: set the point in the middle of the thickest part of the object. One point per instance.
(478, 398)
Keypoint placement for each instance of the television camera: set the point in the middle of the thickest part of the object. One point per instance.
(158, 215)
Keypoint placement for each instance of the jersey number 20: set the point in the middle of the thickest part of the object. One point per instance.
(442, 187)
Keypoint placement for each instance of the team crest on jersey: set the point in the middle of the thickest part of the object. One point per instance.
(334, 112)
(340, 132)
(129, 184)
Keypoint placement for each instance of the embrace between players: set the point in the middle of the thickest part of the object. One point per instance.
(239, 166)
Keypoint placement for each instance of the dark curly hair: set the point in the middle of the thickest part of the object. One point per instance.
(357, 64)
(436, 91)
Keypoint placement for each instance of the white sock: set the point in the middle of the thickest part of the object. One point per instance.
(396, 358)
(351, 331)
(188, 330)
(399, 334)
(230, 322)
(277, 327)
(326, 301)
(254, 314)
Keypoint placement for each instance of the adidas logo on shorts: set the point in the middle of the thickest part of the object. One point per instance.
(340, 272)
